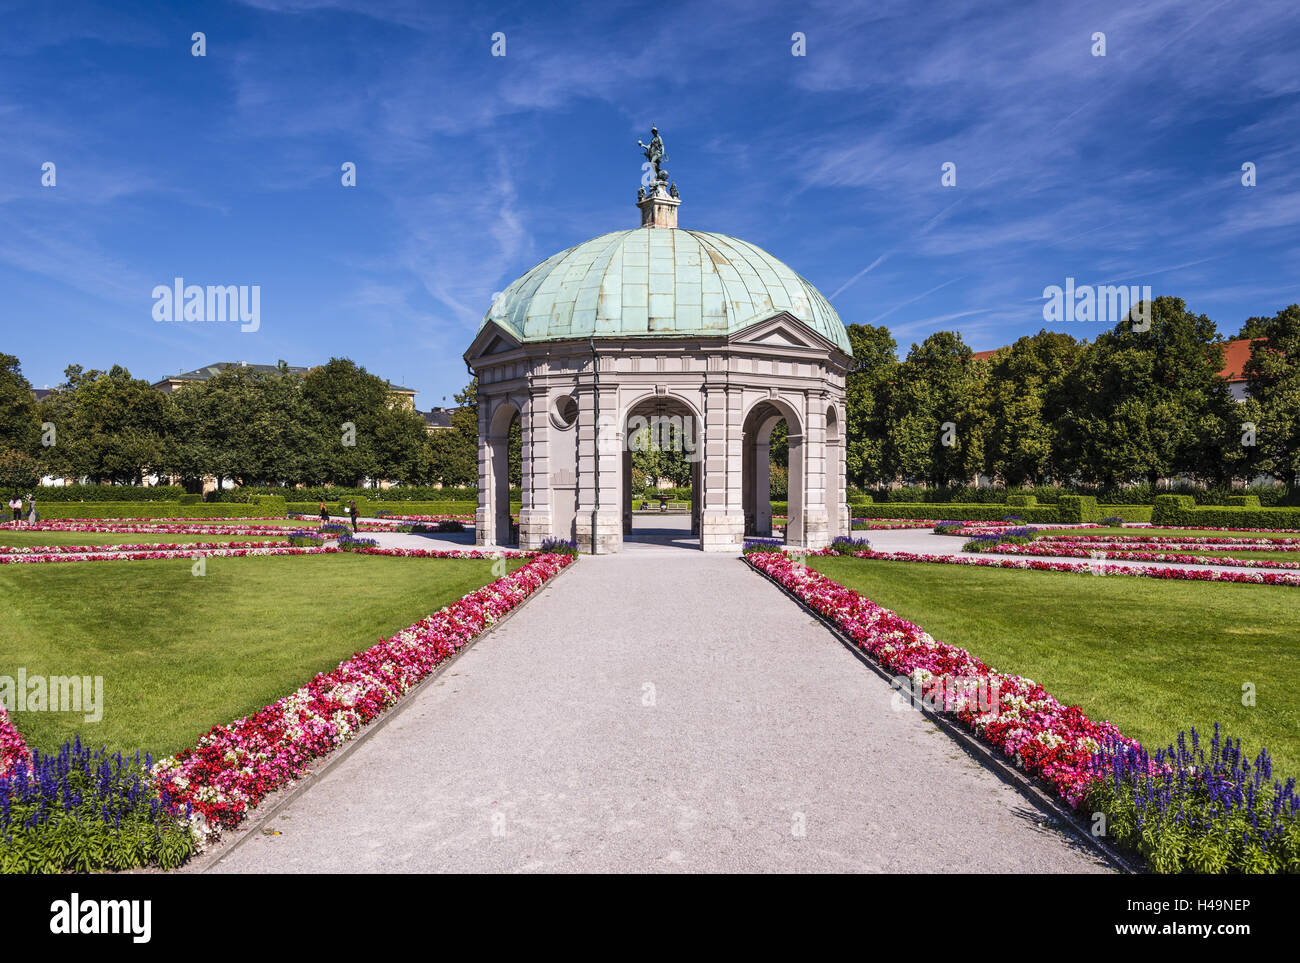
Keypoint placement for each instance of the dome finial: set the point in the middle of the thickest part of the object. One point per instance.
(656, 198)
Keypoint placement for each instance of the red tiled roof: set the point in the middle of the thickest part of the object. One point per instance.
(1235, 356)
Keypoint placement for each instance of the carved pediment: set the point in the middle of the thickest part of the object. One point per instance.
(782, 331)
(493, 339)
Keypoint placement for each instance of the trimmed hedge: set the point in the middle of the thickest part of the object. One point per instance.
(1182, 511)
(1076, 509)
(150, 510)
(1022, 501)
(331, 494)
(106, 493)
(1244, 501)
(1130, 513)
(1038, 514)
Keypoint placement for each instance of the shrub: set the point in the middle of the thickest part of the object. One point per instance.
(84, 812)
(947, 528)
(1077, 509)
(1244, 501)
(349, 543)
(304, 539)
(1221, 516)
(1128, 513)
(274, 504)
(1167, 506)
(753, 545)
(843, 545)
(991, 512)
(1183, 810)
(1012, 536)
(558, 546)
(1112, 521)
(190, 498)
(1022, 501)
(108, 493)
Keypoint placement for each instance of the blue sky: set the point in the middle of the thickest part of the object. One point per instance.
(225, 169)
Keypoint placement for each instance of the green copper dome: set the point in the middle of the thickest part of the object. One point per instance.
(659, 282)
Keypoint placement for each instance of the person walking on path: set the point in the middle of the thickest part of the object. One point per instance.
(16, 507)
(32, 517)
(352, 510)
(324, 514)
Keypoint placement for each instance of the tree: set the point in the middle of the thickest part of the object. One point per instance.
(362, 432)
(1025, 398)
(935, 424)
(1148, 404)
(19, 426)
(109, 426)
(867, 389)
(248, 426)
(452, 454)
(1273, 374)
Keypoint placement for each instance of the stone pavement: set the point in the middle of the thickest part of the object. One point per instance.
(659, 710)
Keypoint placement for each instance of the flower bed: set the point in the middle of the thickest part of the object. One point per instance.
(1027, 725)
(131, 528)
(1039, 549)
(1157, 541)
(13, 747)
(1186, 810)
(1095, 567)
(887, 524)
(135, 547)
(154, 555)
(434, 519)
(85, 812)
(443, 553)
(1181, 809)
(990, 528)
(234, 766)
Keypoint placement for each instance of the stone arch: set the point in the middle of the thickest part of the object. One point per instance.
(684, 414)
(494, 490)
(756, 440)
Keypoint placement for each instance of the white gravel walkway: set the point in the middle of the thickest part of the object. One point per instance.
(659, 710)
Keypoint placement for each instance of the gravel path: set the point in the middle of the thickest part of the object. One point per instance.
(659, 710)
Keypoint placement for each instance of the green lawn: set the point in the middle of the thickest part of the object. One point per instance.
(1151, 656)
(180, 653)
(23, 539)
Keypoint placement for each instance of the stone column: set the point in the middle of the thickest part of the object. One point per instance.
(535, 522)
(762, 486)
(816, 525)
(796, 490)
(600, 442)
(722, 526)
(484, 515)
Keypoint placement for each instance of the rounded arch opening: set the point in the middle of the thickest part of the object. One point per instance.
(837, 519)
(773, 455)
(662, 470)
(504, 460)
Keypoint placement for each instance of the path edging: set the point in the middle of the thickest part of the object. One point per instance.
(208, 861)
(1028, 786)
